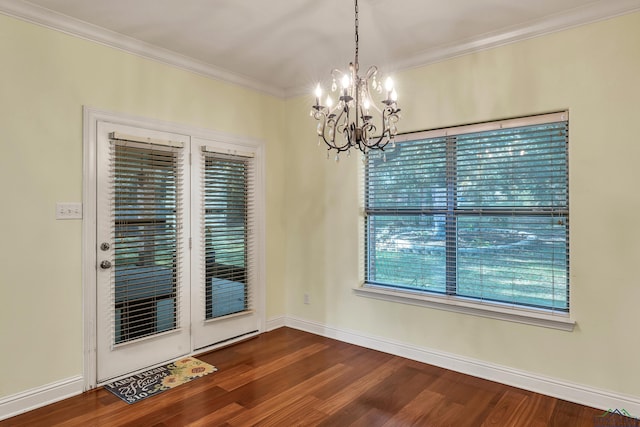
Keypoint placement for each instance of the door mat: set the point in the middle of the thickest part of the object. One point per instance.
(157, 380)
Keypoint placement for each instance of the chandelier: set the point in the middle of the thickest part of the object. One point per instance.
(351, 122)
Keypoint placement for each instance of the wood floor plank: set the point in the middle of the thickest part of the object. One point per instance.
(291, 378)
(506, 411)
(373, 417)
(382, 396)
(281, 381)
(252, 375)
(289, 397)
(359, 387)
(218, 417)
(296, 413)
(363, 365)
(417, 410)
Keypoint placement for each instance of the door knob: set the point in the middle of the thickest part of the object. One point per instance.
(105, 246)
(105, 264)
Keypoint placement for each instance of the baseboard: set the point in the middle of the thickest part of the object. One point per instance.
(561, 389)
(275, 323)
(37, 397)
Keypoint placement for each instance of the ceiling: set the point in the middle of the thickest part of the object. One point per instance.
(284, 46)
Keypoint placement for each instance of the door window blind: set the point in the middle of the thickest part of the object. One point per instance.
(227, 232)
(147, 192)
(478, 212)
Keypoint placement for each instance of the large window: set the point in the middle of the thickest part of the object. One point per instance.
(477, 212)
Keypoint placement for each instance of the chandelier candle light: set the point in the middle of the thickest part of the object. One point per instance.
(352, 116)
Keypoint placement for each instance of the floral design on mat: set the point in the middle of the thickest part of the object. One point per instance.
(157, 380)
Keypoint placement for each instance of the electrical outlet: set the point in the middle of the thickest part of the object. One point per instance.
(306, 298)
(68, 210)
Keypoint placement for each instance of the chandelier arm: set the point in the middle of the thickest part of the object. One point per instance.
(377, 143)
(386, 112)
(371, 72)
(333, 146)
(343, 124)
(373, 105)
(370, 129)
(322, 118)
(338, 118)
(339, 124)
(385, 135)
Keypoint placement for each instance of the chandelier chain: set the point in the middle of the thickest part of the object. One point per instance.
(356, 25)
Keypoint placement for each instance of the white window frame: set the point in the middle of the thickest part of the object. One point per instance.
(454, 303)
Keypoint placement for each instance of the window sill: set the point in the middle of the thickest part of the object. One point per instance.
(536, 317)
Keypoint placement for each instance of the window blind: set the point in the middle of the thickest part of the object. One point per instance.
(147, 225)
(228, 182)
(478, 211)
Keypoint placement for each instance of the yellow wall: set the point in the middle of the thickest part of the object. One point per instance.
(313, 204)
(45, 79)
(594, 71)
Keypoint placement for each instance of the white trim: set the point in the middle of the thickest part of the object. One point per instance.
(558, 388)
(56, 21)
(89, 243)
(511, 313)
(40, 396)
(586, 14)
(275, 323)
(260, 203)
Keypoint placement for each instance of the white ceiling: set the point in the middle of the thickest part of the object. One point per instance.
(284, 46)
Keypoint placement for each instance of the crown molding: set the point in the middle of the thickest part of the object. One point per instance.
(65, 24)
(587, 14)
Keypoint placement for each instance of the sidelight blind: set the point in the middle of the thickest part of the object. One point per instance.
(477, 211)
(228, 188)
(147, 187)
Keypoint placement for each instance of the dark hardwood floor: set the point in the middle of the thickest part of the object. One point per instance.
(288, 378)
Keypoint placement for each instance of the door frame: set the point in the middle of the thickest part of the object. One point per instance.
(91, 117)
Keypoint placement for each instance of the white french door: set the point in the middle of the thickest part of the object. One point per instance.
(176, 239)
(224, 233)
(142, 300)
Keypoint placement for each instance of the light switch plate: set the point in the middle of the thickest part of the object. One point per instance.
(68, 210)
